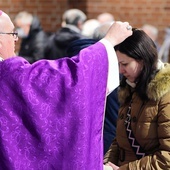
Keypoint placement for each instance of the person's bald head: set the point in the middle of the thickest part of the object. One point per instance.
(5, 21)
(105, 17)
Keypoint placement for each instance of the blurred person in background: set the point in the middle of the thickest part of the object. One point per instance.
(164, 53)
(152, 32)
(101, 30)
(32, 36)
(89, 26)
(105, 17)
(71, 26)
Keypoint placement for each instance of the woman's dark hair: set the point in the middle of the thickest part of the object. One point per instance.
(140, 47)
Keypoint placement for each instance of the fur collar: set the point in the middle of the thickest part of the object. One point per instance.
(158, 86)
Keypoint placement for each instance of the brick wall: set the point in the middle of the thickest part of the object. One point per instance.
(137, 12)
(48, 11)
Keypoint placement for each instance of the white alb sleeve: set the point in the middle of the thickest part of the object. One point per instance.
(113, 68)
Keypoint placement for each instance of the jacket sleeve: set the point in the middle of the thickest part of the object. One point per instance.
(160, 159)
(112, 154)
(39, 47)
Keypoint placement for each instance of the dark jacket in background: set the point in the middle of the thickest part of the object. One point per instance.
(58, 42)
(32, 47)
(111, 114)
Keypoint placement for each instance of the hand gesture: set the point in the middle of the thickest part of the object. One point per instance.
(118, 32)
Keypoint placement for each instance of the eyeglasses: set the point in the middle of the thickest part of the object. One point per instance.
(14, 34)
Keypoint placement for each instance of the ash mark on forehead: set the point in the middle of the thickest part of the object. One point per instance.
(1, 12)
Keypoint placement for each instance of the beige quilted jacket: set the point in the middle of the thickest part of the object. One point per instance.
(150, 123)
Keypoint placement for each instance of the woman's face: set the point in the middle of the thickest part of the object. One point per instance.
(129, 67)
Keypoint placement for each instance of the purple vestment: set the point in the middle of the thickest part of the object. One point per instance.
(51, 112)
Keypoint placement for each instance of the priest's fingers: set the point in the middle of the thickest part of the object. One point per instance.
(118, 32)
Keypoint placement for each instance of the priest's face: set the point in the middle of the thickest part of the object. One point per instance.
(7, 38)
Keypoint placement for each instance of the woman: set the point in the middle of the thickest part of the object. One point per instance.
(143, 126)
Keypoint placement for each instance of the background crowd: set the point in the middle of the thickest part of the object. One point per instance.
(77, 32)
(36, 44)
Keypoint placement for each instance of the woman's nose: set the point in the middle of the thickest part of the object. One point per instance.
(121, 69)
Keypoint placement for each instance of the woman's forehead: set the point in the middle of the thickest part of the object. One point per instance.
(1, 12)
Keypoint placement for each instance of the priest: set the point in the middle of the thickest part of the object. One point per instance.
(51, 112)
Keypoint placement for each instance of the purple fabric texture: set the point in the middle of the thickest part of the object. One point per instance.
(51, 112)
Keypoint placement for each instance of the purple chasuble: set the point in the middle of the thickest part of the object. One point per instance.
(51, 112)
